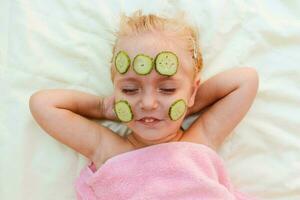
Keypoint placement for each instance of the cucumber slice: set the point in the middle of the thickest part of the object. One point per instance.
(122, 62)
(166, 63)
(142, 64)
(177, 109)
(123, 111)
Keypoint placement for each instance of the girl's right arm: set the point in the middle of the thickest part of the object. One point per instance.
(64, 114)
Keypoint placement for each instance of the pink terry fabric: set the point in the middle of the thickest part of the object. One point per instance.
(175, 170)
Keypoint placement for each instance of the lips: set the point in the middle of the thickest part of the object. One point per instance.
(149, 121)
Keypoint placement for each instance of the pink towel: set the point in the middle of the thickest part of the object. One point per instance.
(175, 170)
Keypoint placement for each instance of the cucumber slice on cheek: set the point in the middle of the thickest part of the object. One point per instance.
(122, 62)
(142, 64)
(166, 63)
(177, 109)
(123, 111)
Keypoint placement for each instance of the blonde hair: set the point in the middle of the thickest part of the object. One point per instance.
(139, 23)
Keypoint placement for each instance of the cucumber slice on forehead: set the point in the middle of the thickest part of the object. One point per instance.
(122, 62)
(123, 111)
(142, 64)
(166, 63)
(177, 109)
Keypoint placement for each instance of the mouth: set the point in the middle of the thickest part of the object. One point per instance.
(149, 121)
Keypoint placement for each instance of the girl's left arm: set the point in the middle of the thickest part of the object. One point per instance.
(228, 97)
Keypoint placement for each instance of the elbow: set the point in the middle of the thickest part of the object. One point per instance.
(37, 103)
(35, 98)
(250, 83)
(251, 78)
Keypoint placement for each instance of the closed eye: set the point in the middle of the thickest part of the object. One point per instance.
(129, 90)
(168, 90)
(165, 90)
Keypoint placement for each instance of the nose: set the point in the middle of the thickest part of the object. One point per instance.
(148, 101)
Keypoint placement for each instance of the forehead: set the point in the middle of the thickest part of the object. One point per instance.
(151, 44)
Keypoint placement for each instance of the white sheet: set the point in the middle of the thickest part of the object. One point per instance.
(66, 44)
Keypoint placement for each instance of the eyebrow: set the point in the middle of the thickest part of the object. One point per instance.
(163, 78)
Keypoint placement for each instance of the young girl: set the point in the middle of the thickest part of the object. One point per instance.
(155, 71)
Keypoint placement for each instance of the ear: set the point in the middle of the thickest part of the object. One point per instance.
(195, 87)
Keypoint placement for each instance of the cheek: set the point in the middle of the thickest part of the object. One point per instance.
(119, 95)
(172, 126)
(165, 104)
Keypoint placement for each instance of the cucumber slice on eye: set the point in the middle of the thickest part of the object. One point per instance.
(122, 62)
(142, 64)
(177, 109)
(166, 63)
(123, 111)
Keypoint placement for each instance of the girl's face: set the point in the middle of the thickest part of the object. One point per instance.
(152, 95)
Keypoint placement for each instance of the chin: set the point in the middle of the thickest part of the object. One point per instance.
(154, 133)
(153, 136)
(150, 134)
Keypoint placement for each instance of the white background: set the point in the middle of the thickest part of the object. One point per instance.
(67, 44)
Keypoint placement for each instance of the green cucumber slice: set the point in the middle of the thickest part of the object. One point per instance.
(177, 109)
(166, 63)
(123, 111)
(122, 62)
(142, 64)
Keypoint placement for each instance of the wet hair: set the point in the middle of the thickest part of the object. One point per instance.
(138, 23)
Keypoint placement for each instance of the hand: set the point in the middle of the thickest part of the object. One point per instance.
(108, 108)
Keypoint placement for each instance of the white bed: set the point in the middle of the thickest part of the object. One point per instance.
(67, 44)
